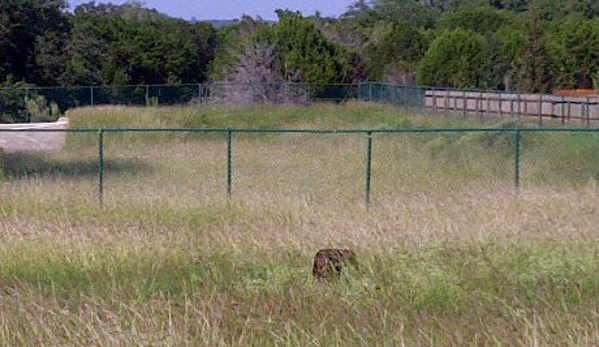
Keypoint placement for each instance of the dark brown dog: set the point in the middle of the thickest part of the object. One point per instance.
(329, 262)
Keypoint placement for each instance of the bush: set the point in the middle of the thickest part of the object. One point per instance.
(21, 102)
(39, 110)
(12, 102)
(454, 59)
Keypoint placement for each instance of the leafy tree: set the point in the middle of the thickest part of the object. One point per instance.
(486, 21)
(361, 13)
(578, 40)
(26, 28)
(12, 101)
(510, 5)
(396, 53)
(85, 53)
(303, 53)
(559, 9)
(550, 9)
(532, 54)
(402, 42)
(51, 58)
(420, 14)
(454, 59)
(230, 43)
(483, 20)
(129, 44)
(582, 8)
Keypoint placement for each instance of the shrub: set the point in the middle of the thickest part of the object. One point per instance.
(39, 110)
(455, 59)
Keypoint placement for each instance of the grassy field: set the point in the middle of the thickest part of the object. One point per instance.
(450, 253)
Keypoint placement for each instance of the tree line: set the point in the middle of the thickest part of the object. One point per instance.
(524, 45)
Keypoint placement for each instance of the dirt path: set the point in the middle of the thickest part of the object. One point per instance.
(33, 141)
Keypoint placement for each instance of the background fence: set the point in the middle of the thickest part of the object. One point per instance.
(24, 104)
(187, 165)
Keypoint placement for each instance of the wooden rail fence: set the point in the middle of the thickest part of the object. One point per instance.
(567, 108)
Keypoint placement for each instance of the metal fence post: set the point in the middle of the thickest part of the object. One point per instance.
(1, 164)
(405, 98)
(464, 103)
(28, 114)
(359, 91)
(517, 158)
(229, 164)
(148, 104)
(368, 168)
(540, 109)
(588, 111)
(200, 94)
(101, 166)
(519, 106)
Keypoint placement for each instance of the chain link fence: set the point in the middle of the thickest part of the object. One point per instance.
(31, 104)
(194, 167)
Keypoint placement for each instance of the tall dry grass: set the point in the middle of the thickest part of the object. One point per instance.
(450, 253)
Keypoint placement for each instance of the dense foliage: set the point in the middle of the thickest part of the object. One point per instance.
(43, 44)
(461, 53)
(528, 45)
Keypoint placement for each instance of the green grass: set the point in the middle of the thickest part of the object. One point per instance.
(450, 254)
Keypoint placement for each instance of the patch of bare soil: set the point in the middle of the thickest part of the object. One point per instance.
(21, 138)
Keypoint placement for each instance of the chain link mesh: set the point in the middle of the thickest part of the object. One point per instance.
(187, 167)
(539, 108)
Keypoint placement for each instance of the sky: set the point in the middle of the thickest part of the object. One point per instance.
(234, 9)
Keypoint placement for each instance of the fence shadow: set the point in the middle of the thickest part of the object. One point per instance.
(20, 165)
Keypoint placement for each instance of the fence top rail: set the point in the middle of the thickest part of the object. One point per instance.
(186, 85)
(309, 131)
(207, 83)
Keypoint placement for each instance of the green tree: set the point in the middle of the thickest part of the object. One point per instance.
(230, 43)
(486, 21)
(578, 40)
(85, 53)
(420, 14)
(560, 9)
(113, 44)
(395, 54)
(456, 58)
(482, 20)
(303, 53)
(531, 52)
(29, 27)
(510, 5)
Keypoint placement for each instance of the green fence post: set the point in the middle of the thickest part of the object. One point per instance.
(517, 158)
(1, 164)
(229, 165)
(91, 95)
(147, 95)
(588, 111)
(405, 98)
(540, 109)
(359, 91)
(101, 166)
(368, 168)
(200, 93)
(519, 106)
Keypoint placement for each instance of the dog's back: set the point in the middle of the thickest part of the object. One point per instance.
(330, 261)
